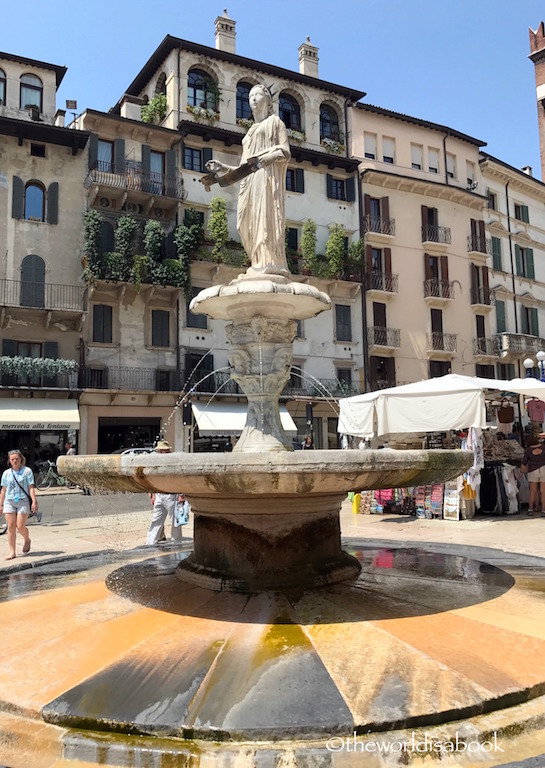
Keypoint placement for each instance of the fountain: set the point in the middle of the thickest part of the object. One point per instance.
(269, 641)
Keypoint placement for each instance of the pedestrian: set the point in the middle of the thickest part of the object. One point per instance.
(18, 500)
(164, 505)
(69, 448)
(533, 463)
(307, 444)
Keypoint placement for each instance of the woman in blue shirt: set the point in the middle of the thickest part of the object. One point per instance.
(17, 499)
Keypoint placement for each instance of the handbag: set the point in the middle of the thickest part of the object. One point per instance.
(506, 412)
(181, 514)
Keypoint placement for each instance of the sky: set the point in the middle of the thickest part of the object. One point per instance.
(459, 63)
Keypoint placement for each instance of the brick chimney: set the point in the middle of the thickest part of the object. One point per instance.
(308, 59)
(225, 33)
(537, 56)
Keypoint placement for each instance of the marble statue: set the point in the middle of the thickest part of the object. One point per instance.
(261, 216)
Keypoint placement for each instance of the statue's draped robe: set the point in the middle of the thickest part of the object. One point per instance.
(261, 217)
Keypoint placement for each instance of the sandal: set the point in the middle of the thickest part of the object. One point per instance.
(26, 548)
(10, 557)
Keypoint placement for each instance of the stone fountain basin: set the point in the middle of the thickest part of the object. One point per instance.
(264, 474)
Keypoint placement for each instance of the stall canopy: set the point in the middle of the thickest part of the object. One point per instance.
(49, 415)
(434, 405)
(230, 418)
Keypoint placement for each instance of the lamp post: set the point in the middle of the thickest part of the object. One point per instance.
(541, 360)
(529, 365)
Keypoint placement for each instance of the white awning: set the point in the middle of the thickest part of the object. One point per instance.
(47, 415)
(230, 418)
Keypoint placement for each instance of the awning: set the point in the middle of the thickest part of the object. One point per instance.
(230, 418)
(38, 414)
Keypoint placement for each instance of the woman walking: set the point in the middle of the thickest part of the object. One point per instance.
(17, 499)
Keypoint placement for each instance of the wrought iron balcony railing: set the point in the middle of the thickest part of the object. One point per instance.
(126, 176)
(379, 336)
(382, 384)
(481, 296)
(433, 233)
(37, 381)
(479, 244)
(444, 342)
(380, 225)
(484, 346)
(381, 281)
(326, 388)
(438, 289)
(124, 378)
(24, 293)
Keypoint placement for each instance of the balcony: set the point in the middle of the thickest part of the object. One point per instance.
(479, 246)
(381, 282)
(46, 296)
(38, 382)
(383, 228)
(516, 346)
(129, 177)
(326, 388)
(378, 336)
(438, 292)
(130, 379)
(435, 237)
(481, 298)
(441, 342)
(382, 384)
(484, 347)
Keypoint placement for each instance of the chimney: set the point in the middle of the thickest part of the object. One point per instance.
(131, 107)
(308, 59)
(225, 33)
(59, 118)
(537, 56)
(527, 169)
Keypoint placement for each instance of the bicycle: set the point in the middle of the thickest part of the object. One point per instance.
(49, 477)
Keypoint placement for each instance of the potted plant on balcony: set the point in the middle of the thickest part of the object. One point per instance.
(155, 110)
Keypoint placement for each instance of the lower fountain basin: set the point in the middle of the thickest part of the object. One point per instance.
(271, 521)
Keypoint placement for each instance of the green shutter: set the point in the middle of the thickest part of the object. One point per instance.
(500, 317)
(518, 261)
(9, 348)
(299, 180)
(18, 198)
(350, 190)
(119, 155)
(206, 157)
(496, 254)
(534, 324)
(524, 320)
(53, 203)
(329, 185)
(525, 214)
(93, 151)
(529, 259)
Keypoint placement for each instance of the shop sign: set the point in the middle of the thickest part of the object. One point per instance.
(38, 425)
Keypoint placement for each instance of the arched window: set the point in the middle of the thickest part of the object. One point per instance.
(32, 281)
(2, 87)
(161, 84)
(289, 111)
(34, 202)
(31, 92)
(202, 91)
(329, 123)
(243, 103)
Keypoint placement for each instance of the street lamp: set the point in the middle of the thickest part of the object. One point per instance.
(529, 365)
(541, 360)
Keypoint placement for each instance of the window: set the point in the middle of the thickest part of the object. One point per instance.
(524, 260)
(191, 320)
(105, 156)
(485, 371)
(160, 328)
(34, 202)
(492, 200)
(102, 323)
(295, 180)
(202, 91)
(2, 87)
(501, 326)
(370, 146)
(470, 173)
(343, 323)
(157, 172)
(292, 237)
(300, 334)
(433, 160)
(388, 150)
(289, 111)
(496, 254)
(31, 92)
(451, 165)
(381, 372)
(329, 123)
(416, 157)
(521, 213)
(529, 320)
(439, 368)
(506, 371)
(37, 150)
(344, 377)
(198, 367)
(196, 159)
(480, 291)
(161, 85)
(244, 111)
(340, 189)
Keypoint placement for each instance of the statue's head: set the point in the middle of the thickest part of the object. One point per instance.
(262, 89)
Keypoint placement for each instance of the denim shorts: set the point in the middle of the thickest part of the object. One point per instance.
(17, 507)
(537, 476)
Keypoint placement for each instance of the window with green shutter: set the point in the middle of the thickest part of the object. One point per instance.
(102, 323)
(160, 328)
(343, 323)
(500, 317)
(496, 254)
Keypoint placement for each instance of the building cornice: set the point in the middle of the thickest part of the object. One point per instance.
(502, 172)
(49, 134)
(59, 71)
(424, 187)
